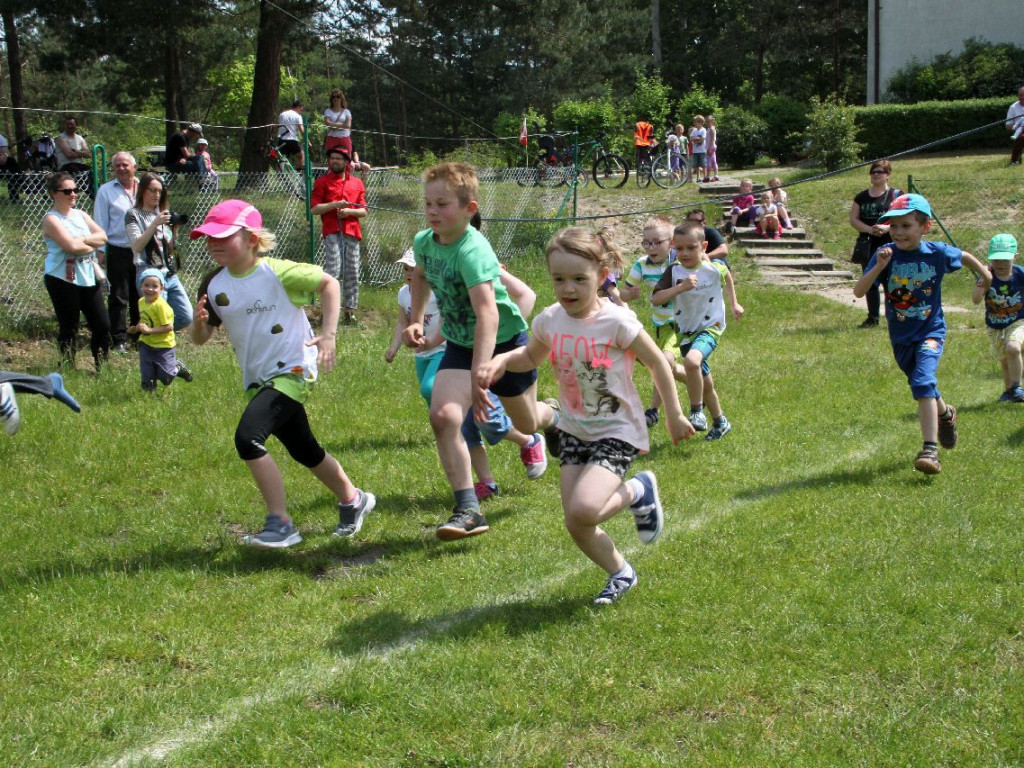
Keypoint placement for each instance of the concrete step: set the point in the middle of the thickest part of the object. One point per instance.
(785, 242)
(748, 232)
(818, 265)
(723, 187)
(796, 253)
(843, 274)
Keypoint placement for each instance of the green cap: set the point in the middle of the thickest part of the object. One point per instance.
(1002, 247)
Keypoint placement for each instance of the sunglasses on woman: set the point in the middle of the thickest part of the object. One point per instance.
(69, 191)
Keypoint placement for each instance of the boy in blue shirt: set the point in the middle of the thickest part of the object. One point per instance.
(1004, 313)
(910, 271)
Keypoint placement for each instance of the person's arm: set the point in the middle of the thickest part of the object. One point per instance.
(730, 294)
(420, 290)
(719, 248)
(980, 290)
(647, 352)
(614, 295)
(330, 303)
(139, 239)
(396, 338)
(201, 330)
(855, 221)
(146, 330)
(630, 292)
(522, 294)
(979, 269)
(518, 360)
(101, 213)
(96, 238)
(481, 296)
(665, 291)
(77, 246)
(881, 261)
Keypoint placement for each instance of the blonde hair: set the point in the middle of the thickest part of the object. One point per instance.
(658, 222)
(680, 129)
(698, 119)
(460, 178)
(775, 182)
(588, 244)
(711, 118)
(265, 239)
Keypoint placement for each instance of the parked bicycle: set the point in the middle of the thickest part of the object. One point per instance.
(643, 166)
(552, 167)
(664, 174)
(292, 179)
(608, 169)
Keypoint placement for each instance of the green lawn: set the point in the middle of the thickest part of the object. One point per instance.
(813, 601)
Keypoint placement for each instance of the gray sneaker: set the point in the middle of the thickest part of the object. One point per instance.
(719, 429)
(699, 420)
(276, 534)
(351, 516)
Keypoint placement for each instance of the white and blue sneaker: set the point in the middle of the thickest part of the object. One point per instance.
(647, 512)
(10, 415)
(698, 420)
(276, 534)
(616, 587)
(351, 516)
(719, 429)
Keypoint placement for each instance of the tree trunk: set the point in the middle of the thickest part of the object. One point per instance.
(266, 87)
(172, 81)
(14, 65)
(656, 33)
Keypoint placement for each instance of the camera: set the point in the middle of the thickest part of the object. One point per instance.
(178, 218)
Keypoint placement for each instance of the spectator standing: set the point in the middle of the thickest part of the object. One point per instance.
(10, 170)
(1015, 125)
(113, 200)
(339, 199)
(292, 134)
(339, 123)
(873, 233)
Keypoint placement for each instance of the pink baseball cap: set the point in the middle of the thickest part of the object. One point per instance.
(226, 218)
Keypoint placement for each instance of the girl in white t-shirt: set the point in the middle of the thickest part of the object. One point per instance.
(592, 346)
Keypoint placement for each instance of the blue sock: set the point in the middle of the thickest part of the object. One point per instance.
(59, 393)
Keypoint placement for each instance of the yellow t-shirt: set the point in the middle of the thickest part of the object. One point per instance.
(154, 314)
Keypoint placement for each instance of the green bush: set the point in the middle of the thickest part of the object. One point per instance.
(889, 128)
(982, 70)
(508, 126)
(650, 99)
(591, 117)
(786, 120)
(832, 133)
(741, 136)
(697, 101)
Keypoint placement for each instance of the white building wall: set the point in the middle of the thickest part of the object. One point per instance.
(922, 29)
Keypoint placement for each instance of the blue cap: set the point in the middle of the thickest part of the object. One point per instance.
(904, 204)
(152, 273)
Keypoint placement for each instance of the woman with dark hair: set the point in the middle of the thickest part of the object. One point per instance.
(72, 275)
(867, 207)
(151, 238)
(339, 123)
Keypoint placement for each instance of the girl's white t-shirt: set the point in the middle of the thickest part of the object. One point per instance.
(593, 365)
(431, 318)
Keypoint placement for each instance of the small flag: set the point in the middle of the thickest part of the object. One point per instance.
(522, 134)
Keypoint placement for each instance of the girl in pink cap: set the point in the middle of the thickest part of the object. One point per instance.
(259, 300)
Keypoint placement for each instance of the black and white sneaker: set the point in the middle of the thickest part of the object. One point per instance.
(647, 512)
(616, 587)
(351, 516)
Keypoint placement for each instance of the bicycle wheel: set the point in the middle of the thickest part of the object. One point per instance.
(525, 177)
(643, 174)
(548, 175)
(291, 180)
(610, 171)
(664, 176)
(582, 177)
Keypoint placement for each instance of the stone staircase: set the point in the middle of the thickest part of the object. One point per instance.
(792, 260)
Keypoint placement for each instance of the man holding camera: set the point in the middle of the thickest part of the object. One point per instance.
(112, 202)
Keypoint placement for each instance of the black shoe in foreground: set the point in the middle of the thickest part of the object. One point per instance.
(462, 523)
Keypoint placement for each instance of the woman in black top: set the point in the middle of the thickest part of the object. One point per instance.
(864, 213)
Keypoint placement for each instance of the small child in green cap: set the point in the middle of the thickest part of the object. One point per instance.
(1004, 312)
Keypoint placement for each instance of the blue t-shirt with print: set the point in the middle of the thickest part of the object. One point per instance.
(913, 290)
(1003, 302)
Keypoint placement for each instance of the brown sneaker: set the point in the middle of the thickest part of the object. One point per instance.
(927, 461)
(947, 429)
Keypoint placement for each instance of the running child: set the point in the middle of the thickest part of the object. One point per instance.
(645, 274)
(258, 300)
(478, 320)
(910, 271)
(1004, 313)
(155, 329)
(697, 289)
(592, 345)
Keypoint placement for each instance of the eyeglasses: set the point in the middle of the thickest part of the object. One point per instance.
(158, 190)
(873, 171)
(653, 243)
(70, 191)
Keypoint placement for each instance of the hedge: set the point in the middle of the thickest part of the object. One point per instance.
(886, 129)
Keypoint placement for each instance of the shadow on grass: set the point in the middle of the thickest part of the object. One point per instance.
(865, 476)
(386, 631)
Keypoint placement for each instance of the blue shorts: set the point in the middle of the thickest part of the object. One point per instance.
(704, 343)
(699, 159)
(493, 430)
(511, 384)
(920, 362)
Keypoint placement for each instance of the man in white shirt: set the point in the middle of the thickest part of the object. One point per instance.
(1015, 125)
(291, 134)
(113, 200)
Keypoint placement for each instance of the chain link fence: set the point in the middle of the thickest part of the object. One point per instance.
(394, 197)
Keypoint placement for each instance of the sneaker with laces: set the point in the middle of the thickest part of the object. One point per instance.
(651, 416)
(947, 429)
(1016, 395)
(699, 420)
(719, 429)
(10, 414)
(927, 461)
(485, 490)
(276, 534)
(1005, 397)
(351, 516)
(553, 435)
(184, 372)
(462, 523)
(533, 457)
(647, 512)
(616, 587)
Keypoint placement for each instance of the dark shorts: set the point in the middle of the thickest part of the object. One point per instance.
(612, 454)
(511, 384)
(290, 147)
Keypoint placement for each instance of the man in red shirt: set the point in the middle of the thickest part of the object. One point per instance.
(339, 199)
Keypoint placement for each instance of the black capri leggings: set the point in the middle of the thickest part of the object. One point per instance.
(70, 301)
(274, 413)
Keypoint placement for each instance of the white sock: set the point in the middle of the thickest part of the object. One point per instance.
(627, 572)
(637, 488)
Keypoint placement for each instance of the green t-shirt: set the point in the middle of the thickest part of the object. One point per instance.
(451, 271)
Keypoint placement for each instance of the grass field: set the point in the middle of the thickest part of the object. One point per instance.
(813, 601)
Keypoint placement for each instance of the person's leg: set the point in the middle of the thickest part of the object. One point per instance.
(332, 255)
(528, 415)
(176, 296)
(1013, 369)
(1018, 148)
(692, 362)
(120, 275)
(449, 404)
(96, 320)
(350, 298)
(873, 297)
(65, 299)
(147, 368)
(711, 401)
(592, 494)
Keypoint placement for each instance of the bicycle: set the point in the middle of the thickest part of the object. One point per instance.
(667, 177)
(549, 169)
(609, 170)
(643, 166)
(293, 181)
